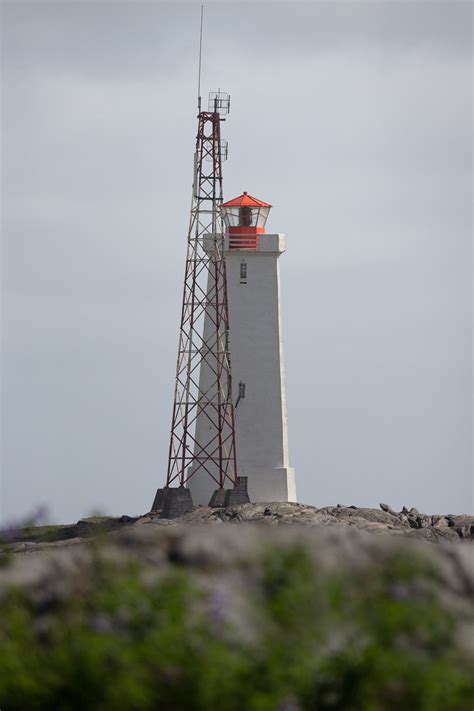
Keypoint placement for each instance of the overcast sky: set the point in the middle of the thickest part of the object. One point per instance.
(354, 120)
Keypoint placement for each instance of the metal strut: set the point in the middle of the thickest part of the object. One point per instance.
(204, 299)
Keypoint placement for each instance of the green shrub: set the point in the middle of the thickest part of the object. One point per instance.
(310, 640)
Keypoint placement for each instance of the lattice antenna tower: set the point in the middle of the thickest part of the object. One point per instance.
(205, 297)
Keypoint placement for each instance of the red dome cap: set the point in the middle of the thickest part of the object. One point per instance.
(246, 200)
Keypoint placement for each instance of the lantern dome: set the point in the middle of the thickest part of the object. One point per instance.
(245, 214)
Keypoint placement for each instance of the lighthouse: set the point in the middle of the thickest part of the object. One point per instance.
(256, 344)
(229, 438)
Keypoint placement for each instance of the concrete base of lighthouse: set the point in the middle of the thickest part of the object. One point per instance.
(272, 484)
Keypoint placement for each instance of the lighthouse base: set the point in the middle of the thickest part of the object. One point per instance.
(267, 485)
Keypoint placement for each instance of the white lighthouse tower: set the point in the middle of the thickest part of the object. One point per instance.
(256, 346)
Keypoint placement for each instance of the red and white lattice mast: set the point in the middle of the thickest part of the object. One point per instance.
(203, 390)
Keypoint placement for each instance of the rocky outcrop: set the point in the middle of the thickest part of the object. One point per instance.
(408, 523)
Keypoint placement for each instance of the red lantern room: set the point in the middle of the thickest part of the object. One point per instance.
(245, 218)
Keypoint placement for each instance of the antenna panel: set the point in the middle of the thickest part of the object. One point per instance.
(224, 151)
(219, 102)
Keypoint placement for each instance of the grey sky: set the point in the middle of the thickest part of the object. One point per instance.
(354, 120)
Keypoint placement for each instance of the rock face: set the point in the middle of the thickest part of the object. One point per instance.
(409, 523)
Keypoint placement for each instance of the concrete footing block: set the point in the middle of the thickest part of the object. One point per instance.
(158, 500)
(176, 501)
(218, 498)
(233, 497)
(228, 497)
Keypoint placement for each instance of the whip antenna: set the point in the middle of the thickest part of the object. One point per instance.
(200, 59)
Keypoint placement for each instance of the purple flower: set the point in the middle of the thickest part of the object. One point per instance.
(101, 624)
(289, 705)
(399, 592)
(218, 606)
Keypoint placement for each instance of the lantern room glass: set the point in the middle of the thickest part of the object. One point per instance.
(245, 216)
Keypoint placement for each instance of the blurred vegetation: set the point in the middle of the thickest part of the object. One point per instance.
(306, 640)
(46, 533)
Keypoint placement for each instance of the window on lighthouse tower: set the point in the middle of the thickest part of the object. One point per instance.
(243, 272)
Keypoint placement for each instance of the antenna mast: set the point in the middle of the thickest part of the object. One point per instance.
(200, 59)
(203, 390)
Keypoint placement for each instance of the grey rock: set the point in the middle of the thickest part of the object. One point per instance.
(280, 514)
(434, 535)
(440, 522)
(463, 525)
(424, 521)
(48, 545)
(464, 531)
(462, 520)
(16, 547)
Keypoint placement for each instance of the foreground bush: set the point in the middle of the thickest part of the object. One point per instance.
(279, 633)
